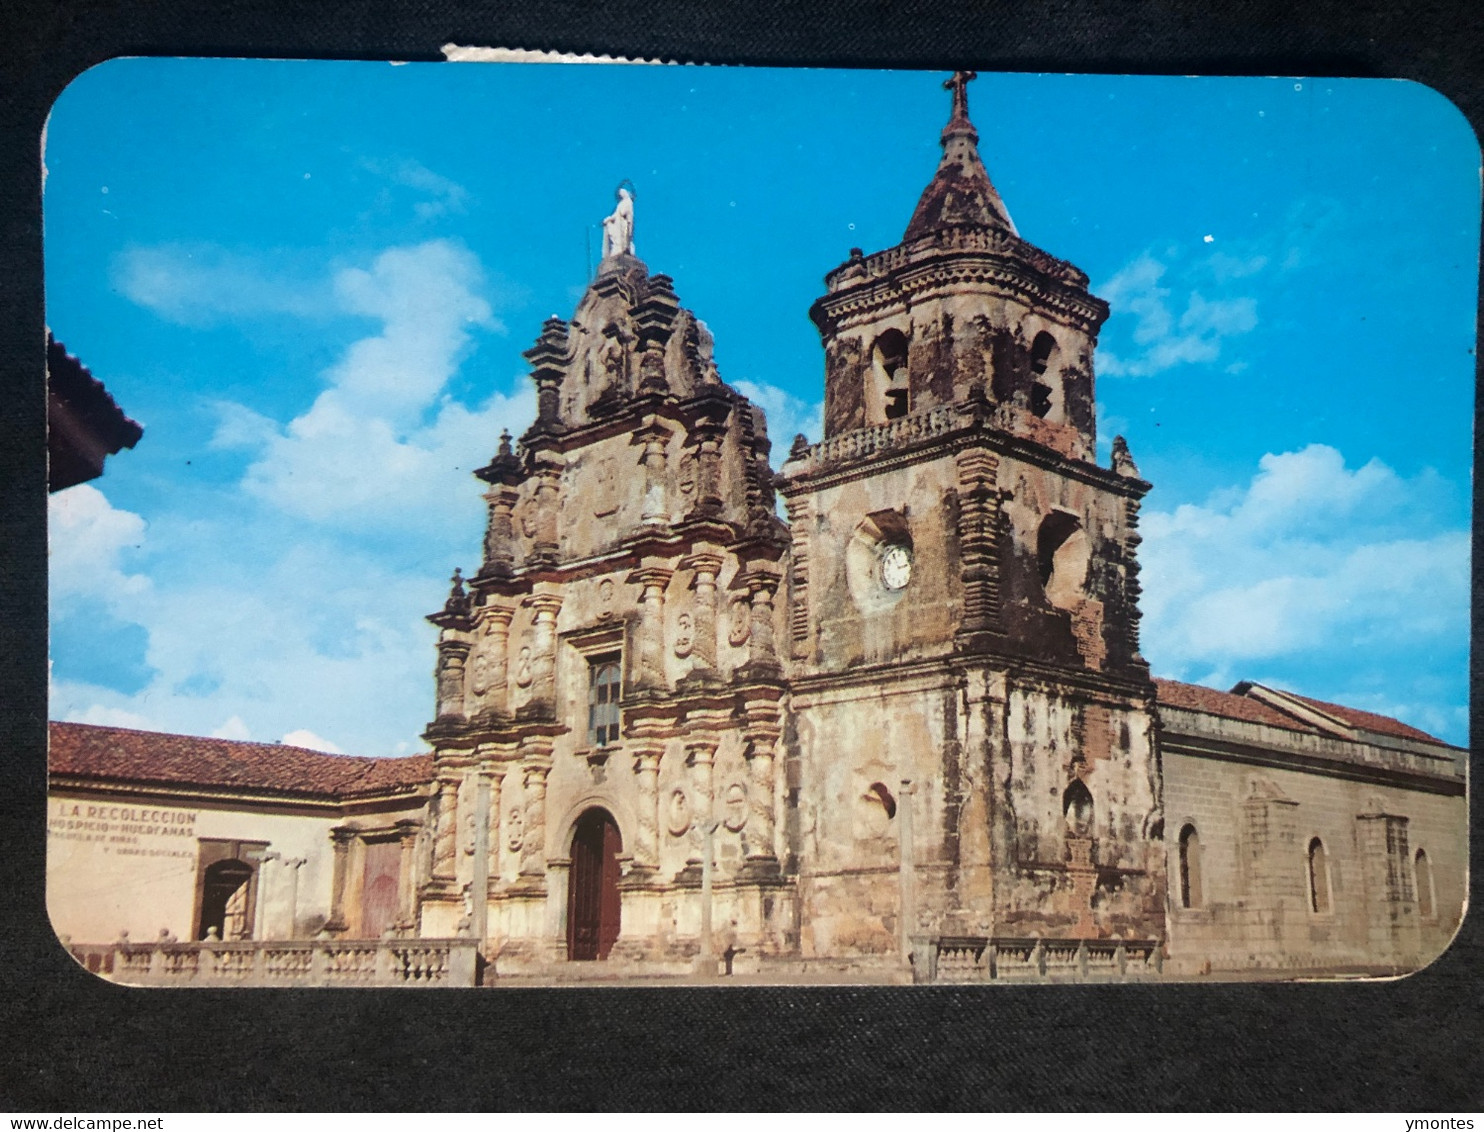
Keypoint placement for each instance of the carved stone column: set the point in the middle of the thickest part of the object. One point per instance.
(706, 567)
(451, 659)
(647, 841)
(407, 831)
(707, 436)
(488, 683)
(762, 652)
(543, 650)
(653, 436)
(445, 836)
(700, 756)
(341, 837)
(548, 508)
(499, 537)
(497, 782)
(978, 532)
(548, 361)
(533, 848)
(650, 671)
(762, 861)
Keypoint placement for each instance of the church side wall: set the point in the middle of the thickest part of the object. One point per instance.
(1255, 908)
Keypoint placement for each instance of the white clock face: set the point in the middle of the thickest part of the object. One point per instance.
(896, 567)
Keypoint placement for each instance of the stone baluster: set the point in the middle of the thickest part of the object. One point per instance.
(445, 836)
(341, 837)
(706, 568)
(650, 671)
(533, 847)
(647, 842)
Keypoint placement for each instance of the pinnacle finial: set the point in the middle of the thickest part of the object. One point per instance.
(959, 85)
(505, 442)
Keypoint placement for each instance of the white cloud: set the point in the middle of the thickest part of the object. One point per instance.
(383, 445)
(233, 728)
(787, 415)
(87, 539)
(303, 738)
(1309, 558)
(204, 284)
(1148, 294)
(443, 196)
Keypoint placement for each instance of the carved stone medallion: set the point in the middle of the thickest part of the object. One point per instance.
(523, 673)
(515, 829)
(734, 806)
(679, 813)
(685, 635)
(479, 679)
(740, 616)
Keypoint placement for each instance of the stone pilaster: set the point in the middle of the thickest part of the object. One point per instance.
(700, 756)
(649, 671)
(647, 841)
(706, 567)
(799, 515)
(548, 361)
(707, 437)
(452, 656)
(490, 681)
(762, 651)
(762, 860)
(445, 835)
(978, 528)
(653, 436)
(543, 651)
(341, 837)
(533, 847)
(499, 537)
(407, 831)
(497, 783)
(547, 502)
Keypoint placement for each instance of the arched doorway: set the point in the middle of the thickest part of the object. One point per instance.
(593, 903)
(224, 903)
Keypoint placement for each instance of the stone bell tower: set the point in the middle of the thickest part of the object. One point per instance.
(963, 618)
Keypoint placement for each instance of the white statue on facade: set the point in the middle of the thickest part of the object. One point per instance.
(618, 226)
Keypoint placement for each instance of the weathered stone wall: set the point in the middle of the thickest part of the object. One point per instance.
(1255, 824)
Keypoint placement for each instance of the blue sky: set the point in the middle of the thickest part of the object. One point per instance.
(312, 281)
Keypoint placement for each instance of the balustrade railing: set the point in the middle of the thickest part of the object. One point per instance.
(978, 959)
(282, 963)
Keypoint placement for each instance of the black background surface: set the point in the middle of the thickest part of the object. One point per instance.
(73, 1043)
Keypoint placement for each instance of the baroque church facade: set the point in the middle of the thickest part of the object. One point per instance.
(905, 734)
(912, 723)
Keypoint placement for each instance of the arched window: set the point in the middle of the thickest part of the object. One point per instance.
(602, 700)
(1190, 868)
(1318, 877)
(889, 361)
(1422, 873)
(1062, 553)
(224, 901)
(1042, 350)
(1076, 805)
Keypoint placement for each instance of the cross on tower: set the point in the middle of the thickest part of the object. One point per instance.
(958, 84)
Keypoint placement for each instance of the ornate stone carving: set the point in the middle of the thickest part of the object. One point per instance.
(739, 618)
(647, 845)
(650, 671)
(678, 813)
(735, 808)
(605, 598)
(445, 837)
(515, 828)
(618, 226)
(685, 635)
(533, 839)
(524, 672)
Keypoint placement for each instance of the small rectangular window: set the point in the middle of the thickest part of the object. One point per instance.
(603, 689)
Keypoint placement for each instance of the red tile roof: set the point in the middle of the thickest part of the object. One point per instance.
(1236, 705)
(1193, 697)
(86, 751)
(1368, 720)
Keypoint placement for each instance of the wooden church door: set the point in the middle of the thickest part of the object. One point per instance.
(593, 902)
